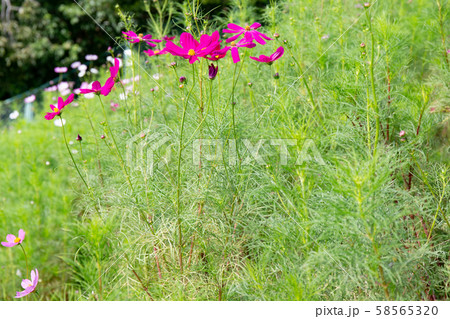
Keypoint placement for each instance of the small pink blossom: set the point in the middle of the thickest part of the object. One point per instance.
(29, 285)
(98, 89)
(75, 65)
(402, 133)
(249, 32)
(270, 59)
(57, 110)
(155, 52)
(243, 43)
(91, 57)
(12, 240)
(30, 99)
(166, 38)
(132, 37)
(60, 69)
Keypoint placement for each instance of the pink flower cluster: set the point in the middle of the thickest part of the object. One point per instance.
(209, 46)
(28, 285)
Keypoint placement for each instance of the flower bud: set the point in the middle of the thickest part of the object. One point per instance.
(103, 137)
(276, 35)
(276, 76)
(79, 138)
(183, 79)
(213, 71)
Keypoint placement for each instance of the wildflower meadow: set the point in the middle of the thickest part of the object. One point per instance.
(289, 150)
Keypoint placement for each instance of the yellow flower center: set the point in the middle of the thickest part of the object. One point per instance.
(17, 240)
(233, 44)
(140, 35)
(247, 28)
(56, 110)
(191, 52)
(217, 56)
(156, 51)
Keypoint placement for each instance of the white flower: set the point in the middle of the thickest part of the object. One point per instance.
(156, 76)
(81, 74)
(91, 57)
(18, 273)
(19, 132)
(47, 163)
(122, 96)
(94, 71)
(82, 67)
(89, 95)
(14, 115)
(59, 123)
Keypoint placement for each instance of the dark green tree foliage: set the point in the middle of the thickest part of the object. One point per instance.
(38, 35)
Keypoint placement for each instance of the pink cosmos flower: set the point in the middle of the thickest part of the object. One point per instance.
(132, 37)
(114, 70)
(218, 54)
(155, 52)
(12, 240)
(98, 89)
(249, 32)
(29, 285)
(243, 43)
(192, 49)
(60, 69)
(166, 38)
(57, 110)
(270, 59)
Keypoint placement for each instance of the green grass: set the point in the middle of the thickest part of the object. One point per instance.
(351, 226)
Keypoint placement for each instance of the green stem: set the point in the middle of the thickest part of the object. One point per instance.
(26, 258)
(119, 156)
(372, 81)
(70, 153)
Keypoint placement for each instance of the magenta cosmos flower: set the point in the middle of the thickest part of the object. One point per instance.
(192, 49)
(155, 52)
(132, 37)
(12, 240)
(57, 110)
(218, 54)
(98, 89)
(166, 38)
(29, 285)
(270, 59)
(243, 43)
(249, 32)
(114, 70)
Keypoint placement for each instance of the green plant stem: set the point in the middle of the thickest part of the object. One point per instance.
(26, 258)
(180, 150)
(374, 94)
(70, 153)
(119, 156)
